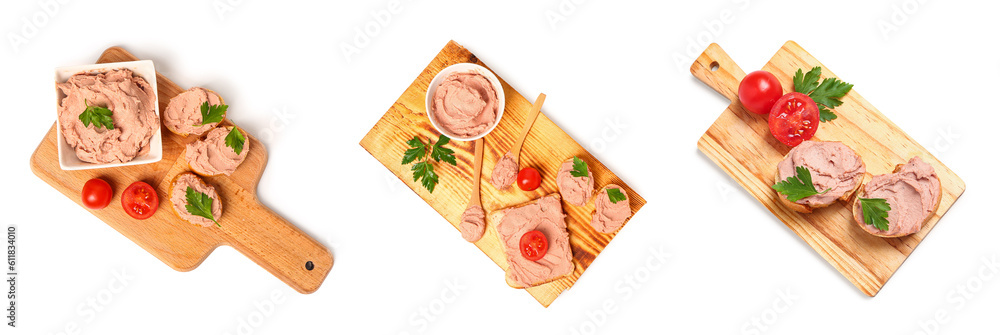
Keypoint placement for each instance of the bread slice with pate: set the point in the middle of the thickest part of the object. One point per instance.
(546, 215)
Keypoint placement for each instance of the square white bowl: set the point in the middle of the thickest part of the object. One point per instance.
(141, 68)
(464, 67)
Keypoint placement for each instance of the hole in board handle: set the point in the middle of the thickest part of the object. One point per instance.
(714, 66)
(310, 266)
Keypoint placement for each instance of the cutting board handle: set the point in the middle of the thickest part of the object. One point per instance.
(718, 71)
(279, 247)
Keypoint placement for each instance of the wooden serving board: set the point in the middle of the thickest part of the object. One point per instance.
(741, 144)
(545, 148)
(246, 224)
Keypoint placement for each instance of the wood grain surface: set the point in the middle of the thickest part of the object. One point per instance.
(545, 148)
(246, 224)
(741, 144)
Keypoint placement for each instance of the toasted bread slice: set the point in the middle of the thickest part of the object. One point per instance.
(204, 173)
(802, 208)
(174, 205)
(590, 194)
(856, 211)
(496, 217)
(224, 115)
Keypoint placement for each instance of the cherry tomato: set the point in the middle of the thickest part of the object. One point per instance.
(758, 91)
(534, 245)
(96, 194)
(528, 179)
(140, 200)
(794, 118)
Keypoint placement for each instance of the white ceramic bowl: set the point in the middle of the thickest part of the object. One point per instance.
(464, 67)
(67, 155)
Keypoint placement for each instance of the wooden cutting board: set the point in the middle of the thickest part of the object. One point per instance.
(545, 148)
(741, 144)
(246, 224)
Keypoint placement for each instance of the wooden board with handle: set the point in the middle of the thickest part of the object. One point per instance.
(741, 144)
(246, 224)
(545, 148)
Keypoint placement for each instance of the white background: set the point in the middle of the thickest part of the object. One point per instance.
(608, 61)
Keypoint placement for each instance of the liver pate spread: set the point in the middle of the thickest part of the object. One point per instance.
(575, 190)
(132, 102)
(832, 165)
(473, 223)
(178, 198)
(183, 114)
(609, 216)
(504, 172)
(211, 156)
(465, 103)
(913, 193)
(545, 215)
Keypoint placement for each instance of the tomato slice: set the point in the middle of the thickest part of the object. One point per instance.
(528, 179)
(96, 194)
(534, 245)
(793, 119)
(758, 91)
(140, 200)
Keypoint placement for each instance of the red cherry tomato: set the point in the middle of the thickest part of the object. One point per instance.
(534, 245)
(793, 119)
(528, 179)
(140, 200)
(96, 194)
(758, 91)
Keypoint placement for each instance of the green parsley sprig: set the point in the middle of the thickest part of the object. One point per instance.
(212, 113)
(423, 171)
(96, 115)
(616, 195)
(799, 186)
(875, 212)
(826, 94)
(579, 168)
(200, 204)
(235, 140)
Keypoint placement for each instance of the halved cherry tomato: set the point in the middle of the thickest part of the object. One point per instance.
(528, 179)
(793, 119)
(534, 245)
(140, 200)
(758, 91)
(96, 194)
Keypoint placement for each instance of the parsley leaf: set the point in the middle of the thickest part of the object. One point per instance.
(424, 171)
(440, 153)
(799, 186)
(579, 168)
(826, 114)
(423, 153)
(805, 83)
(616, 195)
(875, 212)
(826, 94)
(98, 116)
(235, 140)
(212, 113)
(200, 204)
(417, 150)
